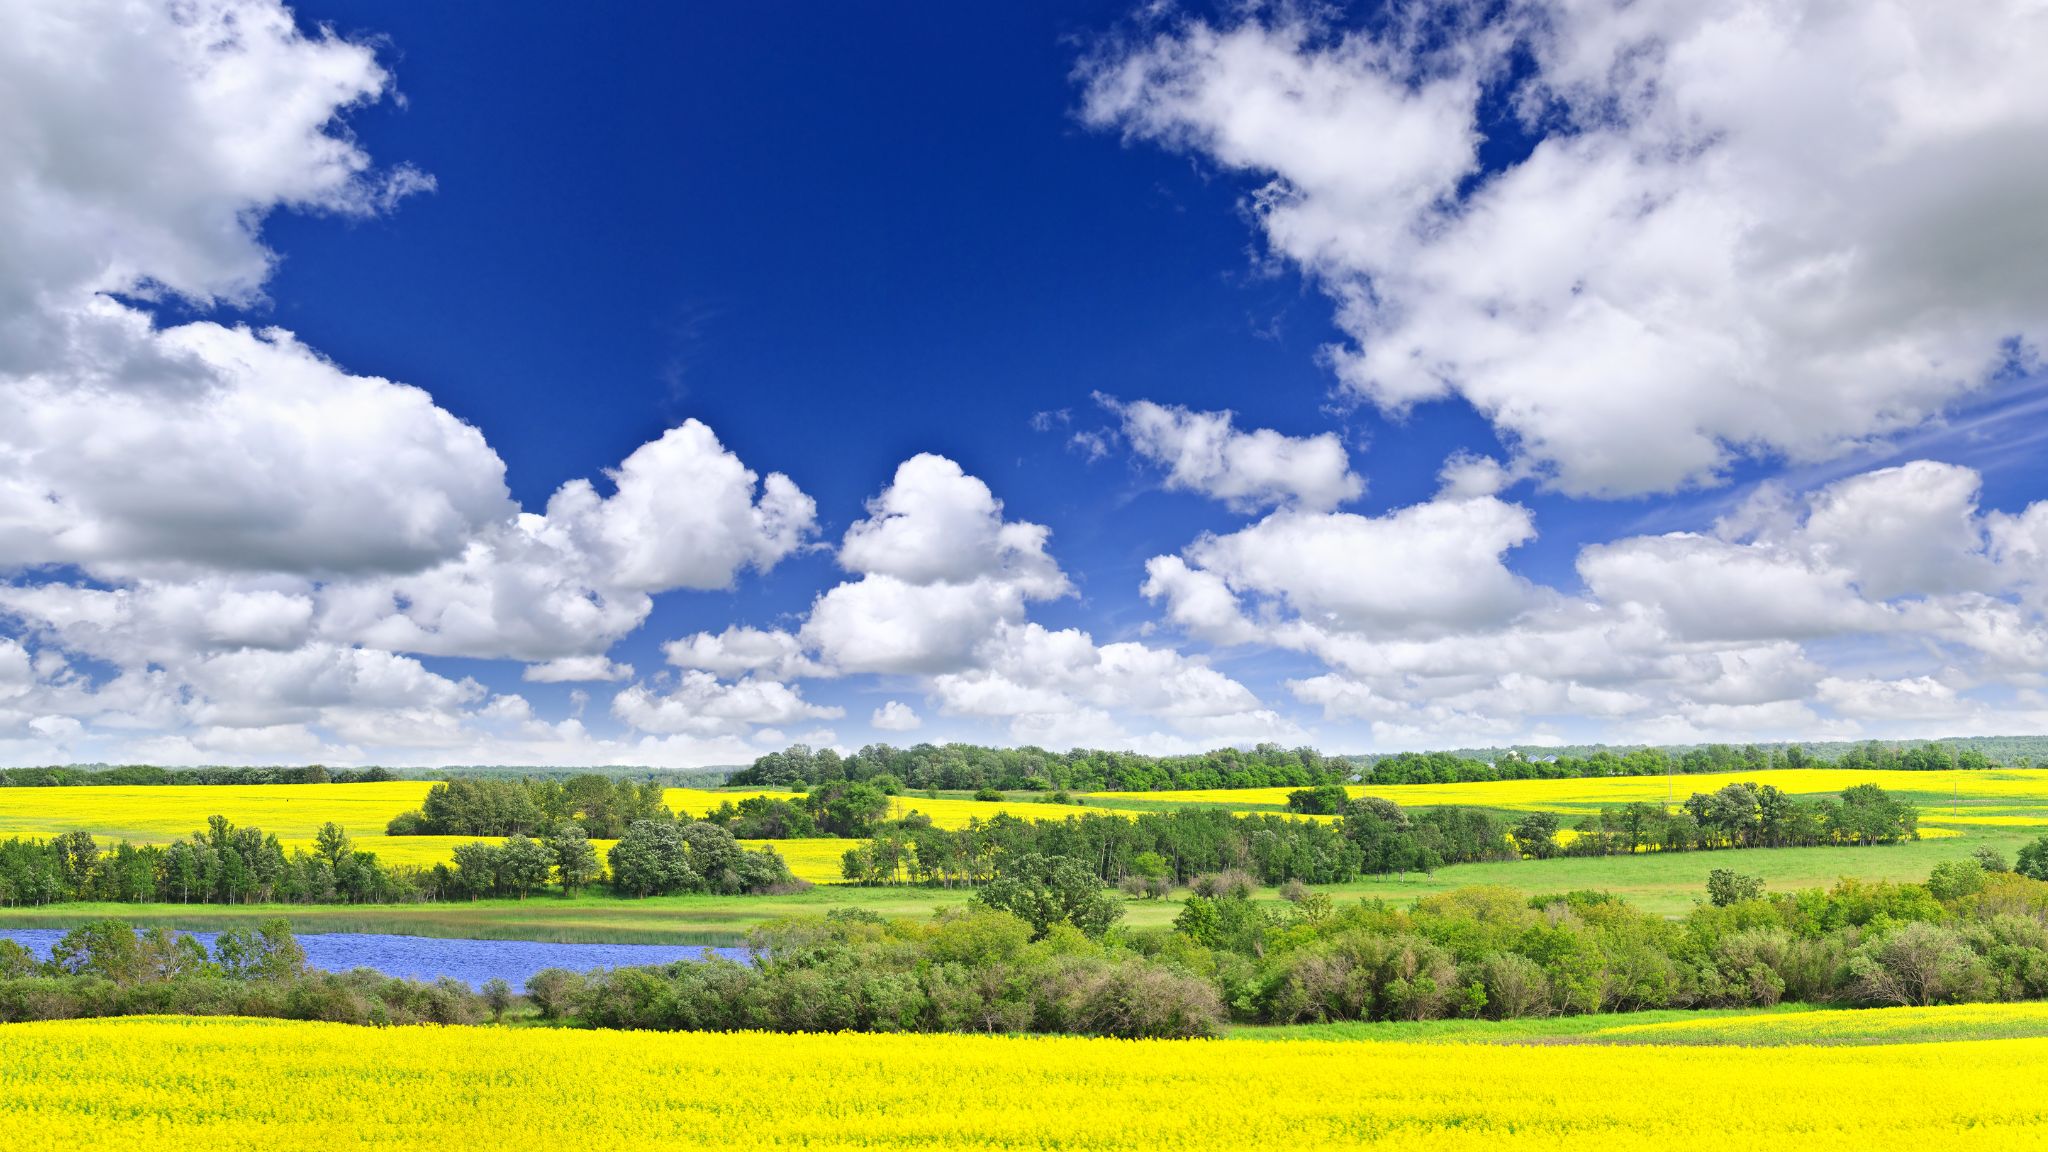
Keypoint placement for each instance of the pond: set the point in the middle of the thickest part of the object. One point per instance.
(427, 958)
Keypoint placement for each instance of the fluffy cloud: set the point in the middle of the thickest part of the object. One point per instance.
(944, 587)
(1750, 229)
(574, 669)
(940, 569)
(250, 536)
(896, 716)
(737, 650)
(1045, 683)
(685, 513)
(1675, 637)
(1712, 589)
(1204, 452)
(136, 168)
(935, 524)
(702, 705)
(1430, 566)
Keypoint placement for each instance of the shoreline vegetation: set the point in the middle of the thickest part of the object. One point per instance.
(1044, 951)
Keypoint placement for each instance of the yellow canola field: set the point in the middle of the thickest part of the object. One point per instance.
(698, 801)
(1586, 795)
(230, 1085)
(160, 814)
(814, 860)
(954, 813)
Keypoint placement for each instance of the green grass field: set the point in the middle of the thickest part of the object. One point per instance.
(1748, 1028)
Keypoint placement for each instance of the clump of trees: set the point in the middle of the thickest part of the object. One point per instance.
(480, 806)
(663, 857)
(976, 969)
(1747, 815)
(1740, 815)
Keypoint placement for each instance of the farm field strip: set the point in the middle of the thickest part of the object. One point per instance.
(1578, 796)
(243, 1084)
(1745, 1027)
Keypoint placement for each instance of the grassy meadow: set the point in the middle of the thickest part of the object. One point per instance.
(262, 1084)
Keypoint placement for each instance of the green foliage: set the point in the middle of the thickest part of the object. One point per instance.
(1044, 891)
(969, 767)
(1726, 886)
(2033, 859)
(661, 857)
(1954, 879)
(1535, 835)
(106, 969)
(1322, 800)
(480, 806)
(969, 970)
(573, 857)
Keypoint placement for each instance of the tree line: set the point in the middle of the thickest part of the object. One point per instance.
(971, 767)
(225, 864)
(1739, 815)
(150, 774)
(1450, 768)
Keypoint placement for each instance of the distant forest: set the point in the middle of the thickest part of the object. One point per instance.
(971, 767)
(63, 775)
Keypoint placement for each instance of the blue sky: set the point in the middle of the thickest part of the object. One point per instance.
(1355, 369)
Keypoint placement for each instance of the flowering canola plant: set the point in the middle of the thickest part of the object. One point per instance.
(247, 1084)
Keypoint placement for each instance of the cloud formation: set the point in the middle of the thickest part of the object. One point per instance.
(1749, 230)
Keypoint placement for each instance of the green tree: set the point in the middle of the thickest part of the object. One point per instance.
(574, 859)
(2033, 859)
(1046, 890)
(331, 843)
(523, 866)
(1535, 835)
(653, 859)
(267, 952)
(1726, 886)
(497, 997)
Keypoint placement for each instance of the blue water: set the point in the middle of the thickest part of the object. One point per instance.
(427, 958)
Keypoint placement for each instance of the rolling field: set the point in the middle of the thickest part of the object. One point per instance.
(246, 1084)
(2019, 792)
(1959, 812)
